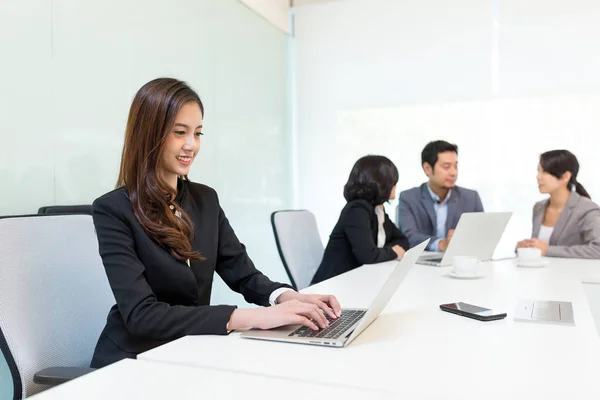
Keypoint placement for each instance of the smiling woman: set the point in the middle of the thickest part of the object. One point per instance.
(150, 167)
(162, 237)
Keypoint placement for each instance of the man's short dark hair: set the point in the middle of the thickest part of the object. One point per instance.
(431, 151)
(372, 178)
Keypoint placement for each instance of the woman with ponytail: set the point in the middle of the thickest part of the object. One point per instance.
(568, 223)
(163, 237)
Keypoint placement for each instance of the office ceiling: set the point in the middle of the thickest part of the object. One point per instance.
(277, 11)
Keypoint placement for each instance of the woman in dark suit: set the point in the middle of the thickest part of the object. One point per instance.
(364, 234)
(162, 237)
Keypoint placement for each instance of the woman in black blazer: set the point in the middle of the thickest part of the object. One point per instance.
(162, 238)
(364, 234)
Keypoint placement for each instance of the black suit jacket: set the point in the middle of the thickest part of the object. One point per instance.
(159, 298)
(353, 241)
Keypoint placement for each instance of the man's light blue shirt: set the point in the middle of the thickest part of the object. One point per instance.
(441, 215)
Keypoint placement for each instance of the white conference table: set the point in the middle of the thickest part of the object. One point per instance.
(135, 379)
(415, 348)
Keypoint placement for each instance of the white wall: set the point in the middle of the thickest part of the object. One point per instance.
(506, 80)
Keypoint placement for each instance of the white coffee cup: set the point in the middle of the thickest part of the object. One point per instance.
(465, 265)
(529, 254)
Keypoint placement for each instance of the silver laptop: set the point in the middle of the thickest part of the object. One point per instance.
(477, 234)
(546, 312)
(343, 330)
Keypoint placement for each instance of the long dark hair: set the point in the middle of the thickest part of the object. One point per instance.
(151, 118)
(557, 162)
(372, 178)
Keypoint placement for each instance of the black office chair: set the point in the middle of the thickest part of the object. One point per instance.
(84, 209)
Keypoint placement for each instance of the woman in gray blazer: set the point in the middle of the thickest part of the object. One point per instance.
(568, 223)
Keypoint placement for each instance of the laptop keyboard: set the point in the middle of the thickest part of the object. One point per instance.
(336, 327)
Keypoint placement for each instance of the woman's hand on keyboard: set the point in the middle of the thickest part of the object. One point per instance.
(290, 313)
(326, 302)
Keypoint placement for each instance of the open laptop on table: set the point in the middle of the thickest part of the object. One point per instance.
(343, 330)
(477, 234)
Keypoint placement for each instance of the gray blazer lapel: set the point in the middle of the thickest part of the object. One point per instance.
(428, 204)
(563, 218)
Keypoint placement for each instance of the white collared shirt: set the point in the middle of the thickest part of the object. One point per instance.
(545, 233)
(380, 231)
(441, 216)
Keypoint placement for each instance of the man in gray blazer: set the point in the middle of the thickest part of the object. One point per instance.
(432, 210)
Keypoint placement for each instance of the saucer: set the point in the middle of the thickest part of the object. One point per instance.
(532, 264)
(476, 275)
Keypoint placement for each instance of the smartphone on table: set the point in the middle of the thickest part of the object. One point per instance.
(472, 311)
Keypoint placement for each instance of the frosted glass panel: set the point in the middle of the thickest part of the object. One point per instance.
(26, 135)
(250, 132)
(75, 69)
(96, 73)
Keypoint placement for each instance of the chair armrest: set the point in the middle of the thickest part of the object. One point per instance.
(56, 375)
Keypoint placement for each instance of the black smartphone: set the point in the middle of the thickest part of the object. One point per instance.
(471, 311)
